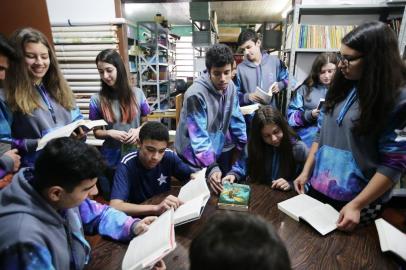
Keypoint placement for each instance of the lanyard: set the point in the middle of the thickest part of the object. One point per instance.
(42, 91)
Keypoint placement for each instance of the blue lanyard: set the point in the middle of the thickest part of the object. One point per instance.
(352, 97)
(42, 91)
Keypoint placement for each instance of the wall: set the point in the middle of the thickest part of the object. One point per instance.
(23, 13)
(83, 10)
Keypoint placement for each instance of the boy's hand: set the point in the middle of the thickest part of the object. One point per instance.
(78, 133)
(143, 225)
(13, 154)
(215, 182)
(167, 203)
(281, 184)
(229, 178)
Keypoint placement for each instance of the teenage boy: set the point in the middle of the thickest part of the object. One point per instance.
(211, 110)
(238, 241)
(44, 212)
(147, 172)
(258, 69)
(9, 159)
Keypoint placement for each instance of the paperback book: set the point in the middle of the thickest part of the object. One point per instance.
(391, 239)
(322, 217)
(234, 197)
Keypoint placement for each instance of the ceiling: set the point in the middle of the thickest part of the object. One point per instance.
(228, 12)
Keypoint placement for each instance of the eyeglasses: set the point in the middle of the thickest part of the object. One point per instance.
(347, 60)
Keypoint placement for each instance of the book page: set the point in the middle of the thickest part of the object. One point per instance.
(390, 238)
(249, 109)
(189, 210)
(264, 95)
(91, 124)
(195, 188)
(152, 245)
(323, 218)
(297, 205)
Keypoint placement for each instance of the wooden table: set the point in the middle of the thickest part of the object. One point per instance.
(306, 247)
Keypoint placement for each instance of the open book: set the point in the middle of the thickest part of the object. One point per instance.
(249, 109)
(148, 248)
(322, 217)
(195, 195)
(266, 96)
(67, 130)
(391, 239)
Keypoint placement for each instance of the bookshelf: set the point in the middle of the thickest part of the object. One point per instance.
(156, 63)
(299, 57)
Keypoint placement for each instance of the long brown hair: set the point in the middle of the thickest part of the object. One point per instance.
(122, 90)
(21, 95)
(256, 146)
(383, 73)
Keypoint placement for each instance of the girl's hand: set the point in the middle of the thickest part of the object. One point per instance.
(315, 113)
(143, 225)
(281, 184)
(78, 134)
(159, 266)
(349, 217)
(117, 135)
(133, 134)
(299, 183)
(230, 178)
(215, 182)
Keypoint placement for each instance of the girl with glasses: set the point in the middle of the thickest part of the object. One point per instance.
(360, 151)
(303, 109)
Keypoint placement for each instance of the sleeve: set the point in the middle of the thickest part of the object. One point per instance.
(76, 114)
(181, 170)
(106, 220)
(121, 186)
(283, 76)
(320, 121)
(6, 165)
(200, 141)
(241, 91)
(144, 107)
(392, 145)
(26, 256)
(298, 115)
(94, 109)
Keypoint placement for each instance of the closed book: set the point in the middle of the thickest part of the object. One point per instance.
(234, 197)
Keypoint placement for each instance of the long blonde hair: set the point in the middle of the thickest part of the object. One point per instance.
(21, 95)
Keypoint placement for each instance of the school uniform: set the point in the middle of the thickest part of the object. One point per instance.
(300, 111)
(134, 183)
(206, 117)
(33, 235)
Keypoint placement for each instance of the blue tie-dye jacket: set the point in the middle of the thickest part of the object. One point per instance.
(206, 116)
(33, 235)
(26, 129)
(345, 162)
(300, 111)
(6, 163)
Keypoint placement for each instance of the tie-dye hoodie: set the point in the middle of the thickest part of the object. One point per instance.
(345, 162)
(206, 116)
(33, 235)
(300, 112)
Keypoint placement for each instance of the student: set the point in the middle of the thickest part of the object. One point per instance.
(238, 241)
(123, 107)
(9, 158)
(147, 172)
(258, 69)
(303, 109)
(45, 211)
(36, 93)
(275, 153)
(210, 110)
(360, 153)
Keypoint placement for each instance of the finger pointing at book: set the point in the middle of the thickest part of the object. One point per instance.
(168, 202)
(142, 225)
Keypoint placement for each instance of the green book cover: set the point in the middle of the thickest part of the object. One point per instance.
(234, 197)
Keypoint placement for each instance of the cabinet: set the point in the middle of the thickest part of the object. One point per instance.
(333, 21)
(156, 63)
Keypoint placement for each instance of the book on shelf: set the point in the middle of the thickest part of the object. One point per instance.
(145, 250)
(249, 109)
(323, 217)
(234, 197)
(67, 130)
(391, 239)
(194, 196)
